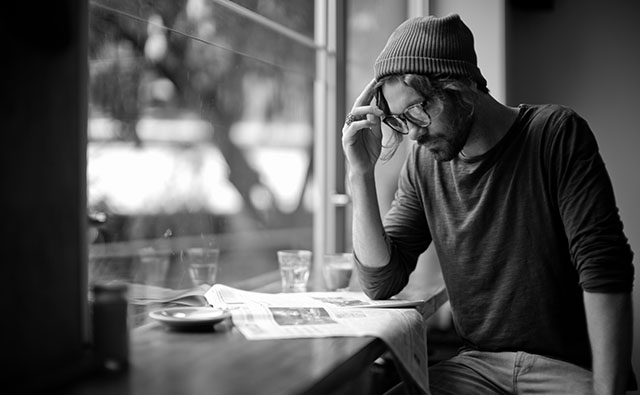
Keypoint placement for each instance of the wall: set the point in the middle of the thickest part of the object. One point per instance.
(585, 54)
(43, 123)
(486, 20)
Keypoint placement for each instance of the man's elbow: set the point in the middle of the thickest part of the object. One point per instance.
(380, 290)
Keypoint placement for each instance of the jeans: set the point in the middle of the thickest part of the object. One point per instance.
(484, 373)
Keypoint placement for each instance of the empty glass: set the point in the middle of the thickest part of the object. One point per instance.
(152, 266)
(202, 263)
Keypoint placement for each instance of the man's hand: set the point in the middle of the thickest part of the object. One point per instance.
(361, 134)
(362, 144)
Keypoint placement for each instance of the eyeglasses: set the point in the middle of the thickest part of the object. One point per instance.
(416, 114)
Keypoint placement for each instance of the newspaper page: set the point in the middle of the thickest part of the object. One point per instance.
(260, 316)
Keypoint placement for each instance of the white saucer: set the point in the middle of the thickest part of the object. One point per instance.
(190, 317)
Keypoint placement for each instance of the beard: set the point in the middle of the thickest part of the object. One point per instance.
(447, 145)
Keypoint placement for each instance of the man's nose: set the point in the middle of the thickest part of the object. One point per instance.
(416, 132)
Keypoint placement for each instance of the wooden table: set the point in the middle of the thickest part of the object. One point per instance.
(224, 362)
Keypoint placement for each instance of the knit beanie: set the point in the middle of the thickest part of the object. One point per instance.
(430, 45)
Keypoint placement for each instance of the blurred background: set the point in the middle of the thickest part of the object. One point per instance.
(200, 133)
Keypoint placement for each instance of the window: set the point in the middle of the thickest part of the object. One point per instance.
(201, 133)
(216, 123)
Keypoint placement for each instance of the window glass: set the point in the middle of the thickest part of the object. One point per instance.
(200, 134)
(367, 34)
(296, 15)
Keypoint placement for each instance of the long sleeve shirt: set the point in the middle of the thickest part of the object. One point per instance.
(520, 231)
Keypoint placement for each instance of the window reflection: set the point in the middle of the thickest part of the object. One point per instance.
(200, 133)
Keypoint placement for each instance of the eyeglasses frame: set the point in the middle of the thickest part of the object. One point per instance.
(405, 116)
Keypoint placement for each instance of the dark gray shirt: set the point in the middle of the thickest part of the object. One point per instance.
(520, 232)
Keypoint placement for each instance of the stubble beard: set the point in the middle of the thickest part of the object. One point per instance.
(446, 146)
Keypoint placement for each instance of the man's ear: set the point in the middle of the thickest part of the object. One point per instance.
(473, 85)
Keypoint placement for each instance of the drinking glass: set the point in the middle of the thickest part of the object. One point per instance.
(153, 266)
(202, 263)
(337, 270)
(294, 269)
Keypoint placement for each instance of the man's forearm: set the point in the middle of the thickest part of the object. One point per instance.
(610, 323)
(369, 242)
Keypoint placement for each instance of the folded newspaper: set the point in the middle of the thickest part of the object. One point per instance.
(260, 316)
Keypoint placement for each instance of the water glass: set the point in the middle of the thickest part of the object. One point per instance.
(337, 270)
(202, 263)
(153, 266)
(294, 269)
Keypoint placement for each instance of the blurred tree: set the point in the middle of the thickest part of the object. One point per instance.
(203, 53)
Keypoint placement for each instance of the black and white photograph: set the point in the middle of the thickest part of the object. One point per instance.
(305, 197)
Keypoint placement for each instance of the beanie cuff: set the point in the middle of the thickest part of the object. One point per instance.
(427, 66)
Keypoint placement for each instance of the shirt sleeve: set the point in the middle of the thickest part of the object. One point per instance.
(407, 235)
(586, 202)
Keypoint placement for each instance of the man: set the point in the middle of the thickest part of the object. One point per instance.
(521, 211)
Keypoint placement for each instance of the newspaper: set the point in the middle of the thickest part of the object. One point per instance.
(260, 316)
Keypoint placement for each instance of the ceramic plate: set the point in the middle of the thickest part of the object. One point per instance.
(190, 317)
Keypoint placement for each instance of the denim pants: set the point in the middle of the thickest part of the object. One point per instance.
(484, 373)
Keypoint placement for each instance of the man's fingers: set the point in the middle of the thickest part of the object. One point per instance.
(351, 117)
(355, 126)
(362, 111)
(366, 95)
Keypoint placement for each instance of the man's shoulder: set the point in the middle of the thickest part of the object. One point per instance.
(552, 120)
(548, 112)
(558, 129)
